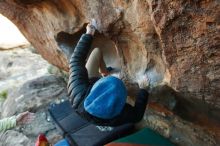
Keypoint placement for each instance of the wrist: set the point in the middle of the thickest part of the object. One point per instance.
(143, 93)
(90, 33)
(90, 29)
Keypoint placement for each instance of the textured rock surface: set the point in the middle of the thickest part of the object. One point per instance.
(15, 71)
(14, 66)
(12, 137)
(190, 38)
(156, 37)
(175, 42)
(177, 130)
(34, 95)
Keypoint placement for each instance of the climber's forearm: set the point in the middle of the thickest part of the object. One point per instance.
(140, 104)
(78, 84)
(7, 123)
(78, 75)
(82, 49)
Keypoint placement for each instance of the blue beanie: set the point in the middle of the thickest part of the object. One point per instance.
(106, 98)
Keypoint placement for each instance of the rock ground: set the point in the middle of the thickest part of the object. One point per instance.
(25, 77)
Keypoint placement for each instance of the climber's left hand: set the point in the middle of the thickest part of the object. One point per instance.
(143, 82)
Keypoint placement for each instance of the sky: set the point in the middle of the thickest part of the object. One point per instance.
(10, 36)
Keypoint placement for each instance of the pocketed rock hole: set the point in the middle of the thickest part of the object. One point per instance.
(67, 43)
(123, 58)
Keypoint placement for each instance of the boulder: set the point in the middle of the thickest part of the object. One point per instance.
(18, 66)
(178, 130)
(11, 137)
(35, 95)
(173, 42)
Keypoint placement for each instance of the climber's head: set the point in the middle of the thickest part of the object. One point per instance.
(106, 98)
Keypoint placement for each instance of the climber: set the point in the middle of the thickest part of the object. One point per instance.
(100, 100)
(20, 119)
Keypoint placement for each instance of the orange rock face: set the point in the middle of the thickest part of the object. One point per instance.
(174, 42)
(190, 38)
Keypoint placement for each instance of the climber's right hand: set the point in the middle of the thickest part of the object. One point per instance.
(90, 29)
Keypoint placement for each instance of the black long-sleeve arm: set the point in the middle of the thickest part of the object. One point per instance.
(134, 114)
(78, 84)
(140, 104)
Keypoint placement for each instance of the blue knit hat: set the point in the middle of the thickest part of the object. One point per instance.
(106, 98)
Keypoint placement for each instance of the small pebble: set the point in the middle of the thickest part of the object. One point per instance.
(48, 119)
